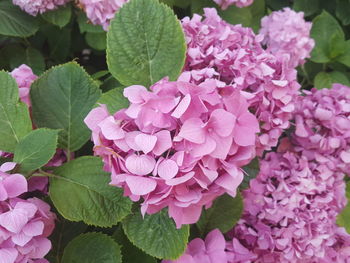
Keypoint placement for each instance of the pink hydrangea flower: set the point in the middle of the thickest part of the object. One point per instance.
(214, 249)
(24, 224)
(224, 4)
(290, 210)
(101, 12)
(286, 32)
(322, 122)
(178, 146)
(34, 7)
(234, 55)
(24, 77)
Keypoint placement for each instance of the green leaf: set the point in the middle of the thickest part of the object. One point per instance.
(80, 191)
(96, 40)
(325, 30)
(343, 217)
(156, 234)
(277, 4)
(15, 22)
(32, 57)
(36, 149)
(59, 17)
(61, 99)
(64, 232)
(145, 43)
(114, 100)
(343, 11)
(15, 121)
(86, 26)
(325, 80)
(345, 58)
(224, 214)
(309, 7)
(92, 248)
(251, 171)
(131, 254)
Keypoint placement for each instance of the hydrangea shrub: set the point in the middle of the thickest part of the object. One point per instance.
(200, 131)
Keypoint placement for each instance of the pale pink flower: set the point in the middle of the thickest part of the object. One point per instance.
(287, 33)
(178, 146)
(233, 55)
(224, 4)
(101, 12)
(34, 7)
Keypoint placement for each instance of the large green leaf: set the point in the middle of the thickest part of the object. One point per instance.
(131, 254)
(224, 214)
(114, 100)
(156, 234)
(80, 191)
(92, 248)
(343, 11)
(61, 99)
(15, 121)
(145, 43)
(328, 36)
(36, 149)
(96, 40)
(345, 58)
(309, 7)
(343, 217)
(326, 79)
(15, 22)
(59, 17)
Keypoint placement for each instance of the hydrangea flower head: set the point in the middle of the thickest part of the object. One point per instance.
(101, 12)
(322, 121)
(224, 4)
(234, 55)
(290, 209)
(24, 224)
(178, 146)
(34, 7)
(286, 32)
(24, 77)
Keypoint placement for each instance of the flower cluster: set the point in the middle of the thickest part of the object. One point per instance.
(214, 249)
(234, 55)
(178, 146)
(322, 122)
(101, 12)
(290, 210)
(24, 224)
(287, 33)
(33, 7)
(224, 4)
(24, 77)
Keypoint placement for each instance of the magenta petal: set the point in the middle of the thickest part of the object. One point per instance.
(3, 193)
(168, 169)
(7, 166)
(95, 117)
(140, 185)
(134, 93)
(145, 142)
(14, 220)
(182, 106)
(140, 165)
(21, 239)
(192, 130)
(111, 129)
(215, 241)
(15, 185)
(34, 228)
(222, 122)
(42, 247)
(180, 180)
(8, 255)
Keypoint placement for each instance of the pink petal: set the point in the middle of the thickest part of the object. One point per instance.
(134, 93)
(180, 180)
(140, 185)
(323, 114)
(111, 129)
(230, 183)
(5, 167)
(21, 239)
(145, 142)
(164, 142)
(95, 117)
(215, 241)
(140, 165)
(8, 255)
(34, 228)
(14, 220)
(222, 122)
(192, 130)
(205, 148)
(41, 248)
(15, 185)
(182, 106)
(168, 169)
